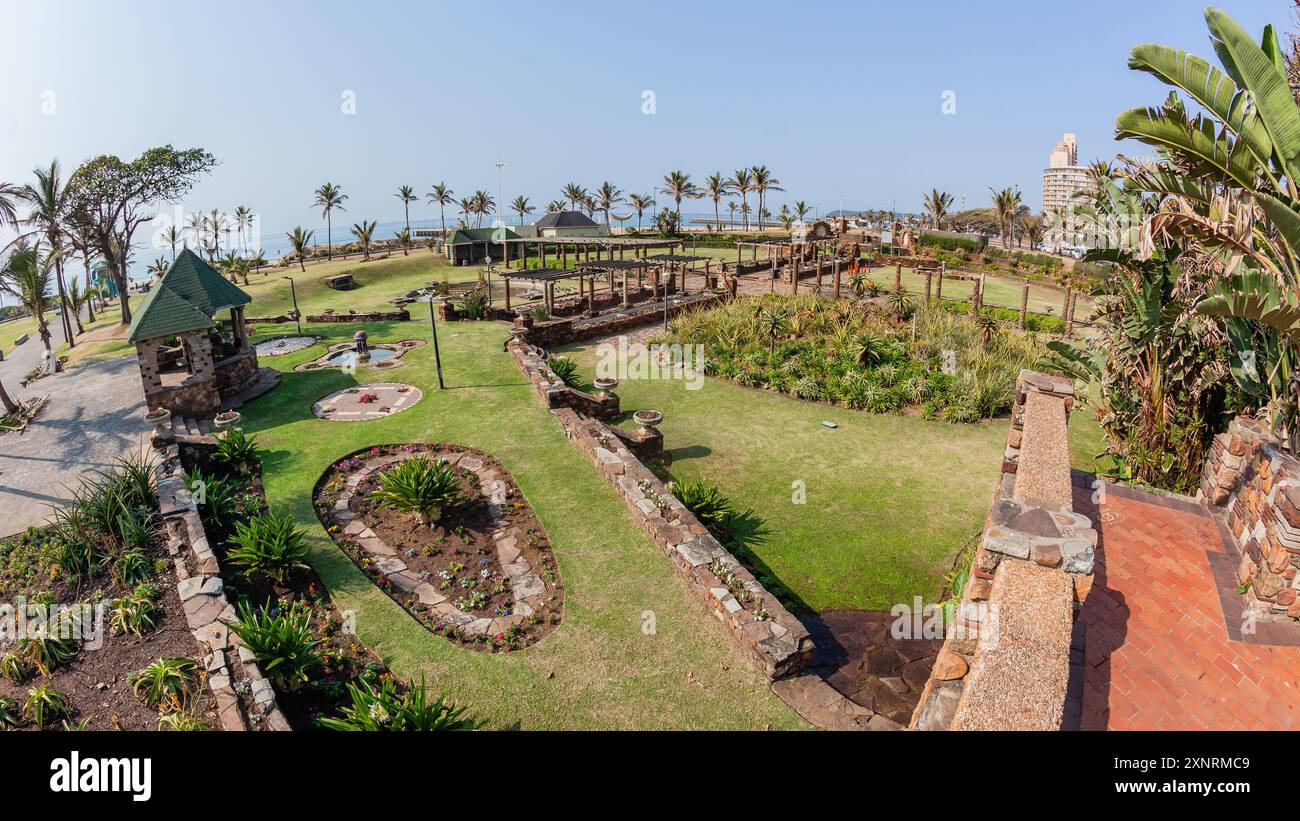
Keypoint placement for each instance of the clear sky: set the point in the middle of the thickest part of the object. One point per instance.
(843, 101)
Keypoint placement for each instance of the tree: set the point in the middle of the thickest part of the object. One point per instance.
(1007, 209)
(10, 406)
(27, 276)
(216, 223)
(403, 237)
(158, 267)
(679, 186)
(574, 194)
(483, 205)
(329, 198)
(607, 196)
(466, 206)
(76, 301)
(441, 195)
(742, 182)
(243, 219)
(801, 210)
(48, 218)
(521, 207)
(300, 239)
(173, 236)
(773, 322)
(554, 207)
(764, 182)
(8, 206)
(717, 187)
(364, 232)
(407, 195)
(84, 244)
(642, 203)
(109, 199)
(937, 204)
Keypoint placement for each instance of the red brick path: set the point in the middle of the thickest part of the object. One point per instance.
(1157, 653)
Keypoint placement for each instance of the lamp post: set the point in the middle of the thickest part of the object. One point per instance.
(297, 315)
(437, 357)
(500, 165)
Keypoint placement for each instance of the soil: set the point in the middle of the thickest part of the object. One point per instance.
(95, 680)
(457, 553)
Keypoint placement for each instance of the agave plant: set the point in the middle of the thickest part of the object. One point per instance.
(282, 642)
(383, 708)
(166, 684)
(421, 486)
(270, 544)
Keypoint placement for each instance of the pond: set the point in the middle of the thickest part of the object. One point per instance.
(345, 359)
(284, 345)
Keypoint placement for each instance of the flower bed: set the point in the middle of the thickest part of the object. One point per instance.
(481, 573)
(122, 588)
(340, 659)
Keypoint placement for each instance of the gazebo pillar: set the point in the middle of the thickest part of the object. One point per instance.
(507, 279)
(625, 289)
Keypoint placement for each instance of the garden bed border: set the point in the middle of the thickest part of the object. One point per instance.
(204, 600)
(780, 643)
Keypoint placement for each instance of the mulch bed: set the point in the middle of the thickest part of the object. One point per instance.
(95, 680)
(346, 659)
(460, 554)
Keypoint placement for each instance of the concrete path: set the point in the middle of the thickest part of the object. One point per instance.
(94, 415)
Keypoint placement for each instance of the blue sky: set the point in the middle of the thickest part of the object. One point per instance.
(841, 100)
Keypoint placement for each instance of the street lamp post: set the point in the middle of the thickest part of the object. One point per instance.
(437, 357)
(297, 315)
(500, 165)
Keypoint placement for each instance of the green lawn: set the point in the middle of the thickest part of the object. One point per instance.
(597, 669)
(1003, 293)
(890, 498)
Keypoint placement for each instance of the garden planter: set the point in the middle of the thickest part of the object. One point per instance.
(227, 420)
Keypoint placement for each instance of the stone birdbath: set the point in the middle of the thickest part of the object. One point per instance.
(160, 420)
(605, 384)
(361, 344)
(228, 420)
(648, 419)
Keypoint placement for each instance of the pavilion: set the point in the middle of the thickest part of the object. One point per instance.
(189, 363)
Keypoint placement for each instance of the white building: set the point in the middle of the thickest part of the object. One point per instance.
(1063, 179)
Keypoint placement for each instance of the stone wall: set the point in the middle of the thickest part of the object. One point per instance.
(1005, 659)
(1258, 484)
(203, 598)
(770, 633)
(237, 373)
(351, 316)
(577, 329)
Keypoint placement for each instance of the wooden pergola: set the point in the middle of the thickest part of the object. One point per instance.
(547, 277)
(604, 248)
(679, 263)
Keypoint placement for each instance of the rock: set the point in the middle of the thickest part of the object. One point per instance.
(1000, 539)
(525, 586)
(916, 673)
(883, 661)
(1035, 522)
(1046, 554)
(949, 666)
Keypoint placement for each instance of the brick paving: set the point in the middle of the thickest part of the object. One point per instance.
(1157, 652)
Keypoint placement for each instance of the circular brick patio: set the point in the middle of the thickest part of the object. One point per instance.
(367, 402)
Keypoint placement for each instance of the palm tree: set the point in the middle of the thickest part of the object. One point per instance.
(441, 195)
(243, 219)
(300, 239)
(195, 223)
(48, 201)
(717, 187)
(84, 245)
(8, 206)
(466, 206)
(679, 186)
(574, 194)
(76, 301)
(589, 205)
(773, 322)
(329, 197)
(483, 205)
(742, 182)
(764, 182)
(731, 208)
(642, 203)
(403, 238)
(1006, 209)
(937, 204)
(158, 267)
(407, 195)
(172, 236)
(521, 207)
(216, 224)
(10, 406)
(801, 210)
(554, 207)
(27, 276)
(607, 196)
(364, 232)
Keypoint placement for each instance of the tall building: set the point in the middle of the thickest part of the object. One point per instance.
(1062, 180)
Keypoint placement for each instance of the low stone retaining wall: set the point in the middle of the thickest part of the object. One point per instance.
(1258, 484)
(1006, 656)
(577, 329)
(203, 597)
(770, 633)
(377, 316)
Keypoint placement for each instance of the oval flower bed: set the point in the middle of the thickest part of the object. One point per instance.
(445, 532)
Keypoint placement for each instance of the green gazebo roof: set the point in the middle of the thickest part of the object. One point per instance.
(464, 236)
(186, 299)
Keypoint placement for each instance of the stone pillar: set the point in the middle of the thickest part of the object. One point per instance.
(146, 354)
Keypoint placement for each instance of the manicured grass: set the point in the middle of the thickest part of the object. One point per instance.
(1003, 293)
(598, 669)
(890, 498)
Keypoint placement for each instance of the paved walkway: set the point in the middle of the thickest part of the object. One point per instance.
(1157, 652)
(94, 415)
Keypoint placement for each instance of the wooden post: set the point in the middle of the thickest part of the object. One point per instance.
(507, 293)
(591, 295)
(929, 276)
(1069, 312)
(975, 298)
(898, 277)
(564, 256)
(625, 289)
(1024, 306)
(938, 291)
(835, 274)
(542, 244)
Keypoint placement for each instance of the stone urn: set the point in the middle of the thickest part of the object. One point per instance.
(604, 385)
(648, 419)
(228, 420)
(160, 419)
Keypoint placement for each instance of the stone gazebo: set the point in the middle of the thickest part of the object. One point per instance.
(191, 363)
